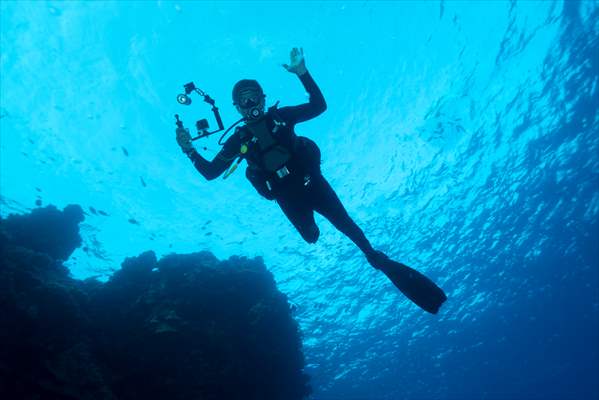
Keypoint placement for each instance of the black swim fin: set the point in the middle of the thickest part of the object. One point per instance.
(414, 285)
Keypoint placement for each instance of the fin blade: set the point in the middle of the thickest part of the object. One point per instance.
(415, 286)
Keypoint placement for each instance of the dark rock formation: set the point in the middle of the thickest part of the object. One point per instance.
(47, 230)
(182, 327)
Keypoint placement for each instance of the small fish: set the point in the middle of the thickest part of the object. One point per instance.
(102, 213)
(38, 202)
(143, 182)
(125, 152)
(133, 221)
(93, 210)
(55, 11)
(208, 233)
(38, 189)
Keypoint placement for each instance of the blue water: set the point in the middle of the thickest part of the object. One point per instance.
(463, 137)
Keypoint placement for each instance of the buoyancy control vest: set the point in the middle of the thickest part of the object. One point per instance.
(276, 156)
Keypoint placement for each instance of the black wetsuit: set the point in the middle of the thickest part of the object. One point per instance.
(305, 190)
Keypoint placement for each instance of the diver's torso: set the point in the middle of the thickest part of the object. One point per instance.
(276, 155)
(269, 144)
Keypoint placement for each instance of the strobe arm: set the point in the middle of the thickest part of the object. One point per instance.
(210, 101)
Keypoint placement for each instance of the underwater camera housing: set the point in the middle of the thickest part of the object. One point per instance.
(202, 124)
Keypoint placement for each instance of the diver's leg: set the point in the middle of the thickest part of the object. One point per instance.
(326, 202)
(302, 217)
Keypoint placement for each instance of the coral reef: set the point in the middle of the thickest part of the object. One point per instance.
(182, 327)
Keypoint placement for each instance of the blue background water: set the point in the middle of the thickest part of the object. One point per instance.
(462, 136)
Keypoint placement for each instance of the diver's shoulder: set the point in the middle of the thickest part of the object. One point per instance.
(281, 112)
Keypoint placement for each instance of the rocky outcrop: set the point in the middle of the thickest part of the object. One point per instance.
(182, 327)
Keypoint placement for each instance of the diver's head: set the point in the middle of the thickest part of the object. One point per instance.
(248, 98)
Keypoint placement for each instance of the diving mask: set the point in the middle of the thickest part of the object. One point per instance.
(251, 104)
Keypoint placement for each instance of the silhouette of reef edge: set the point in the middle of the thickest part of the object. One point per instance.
(182, 327)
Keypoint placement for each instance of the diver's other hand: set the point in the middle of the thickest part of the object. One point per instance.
(297, 63)
(184, 140)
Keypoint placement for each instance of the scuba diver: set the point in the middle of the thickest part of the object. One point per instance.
(285, 167)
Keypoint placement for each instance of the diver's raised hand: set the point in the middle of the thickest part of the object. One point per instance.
(297, 64)
(184, 140)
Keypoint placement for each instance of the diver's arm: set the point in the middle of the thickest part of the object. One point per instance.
(210, 169)
(316, 105)
(313, 108)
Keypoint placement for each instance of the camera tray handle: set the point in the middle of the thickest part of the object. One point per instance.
(210, 101)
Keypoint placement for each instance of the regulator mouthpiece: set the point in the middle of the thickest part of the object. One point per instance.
(256, 112)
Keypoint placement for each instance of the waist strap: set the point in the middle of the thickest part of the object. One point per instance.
(282, 173)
